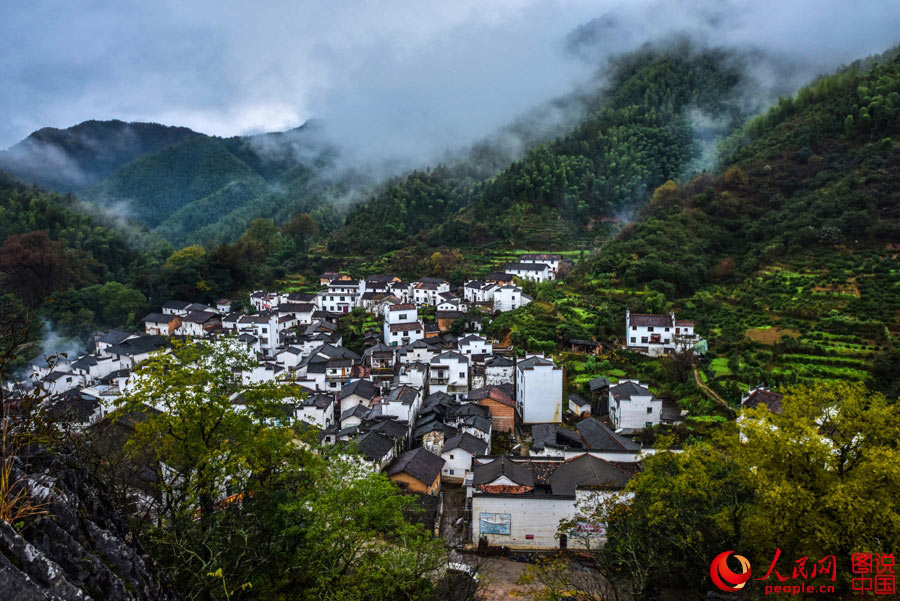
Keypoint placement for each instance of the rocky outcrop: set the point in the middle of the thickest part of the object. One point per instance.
(82, 549)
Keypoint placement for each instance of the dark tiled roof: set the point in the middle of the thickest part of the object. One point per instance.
(626, 390)
(419, 463)
(113, 336)
(448, 314)
(159, 318)
(319, 401)
(466, 442)
(555, 436)
(402, 307)
(579, 400)
(487, 473)
(199, 317)
(375, 446)
(402, 394)
(499, 361)
(176, 305)
(670, 411)
(541, 257)
(405, 327)
(363, 388)
(761, 396)
(526, 267)
(494, 393)
(390, 428)
(586, 471)
(598, 383)
(138, 346)
(530, 362)
(601, 438)
(650, 319)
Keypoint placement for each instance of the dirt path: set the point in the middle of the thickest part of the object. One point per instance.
(709, 391)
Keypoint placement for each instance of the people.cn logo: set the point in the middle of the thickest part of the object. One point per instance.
(724, 578)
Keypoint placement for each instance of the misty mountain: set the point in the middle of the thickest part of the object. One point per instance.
(657, 116)
(69, 159)
(177, 183)
(817, 173)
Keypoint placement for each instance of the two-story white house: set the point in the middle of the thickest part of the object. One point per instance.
(539, 390)
(427, 291)
(657, 334)
(458, 452)
(553, 261)
(479, 291)
(402, 325)
(449, 372)
(264, 326)
(316, 409)
(509, 298)
(536, 272)
(474, 345)
(633, 406)
(341, 296)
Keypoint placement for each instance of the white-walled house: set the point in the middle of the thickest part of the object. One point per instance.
(539, 390)
(510, 298)
(357, 392)
(265, 327)
(553, 261)
(499, 370)
(301, 312)
(316, 409)
(161, 324)
(657, 334)
(342, 296)
(474, 345)
(516, 505)
(536, 272)
(427, 291)
(458, 452)
(479, 291)
(198, 324)
(633, 406)
(418, 351)
(449, 372)
(402, 325)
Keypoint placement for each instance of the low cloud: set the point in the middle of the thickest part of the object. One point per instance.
(394, 85)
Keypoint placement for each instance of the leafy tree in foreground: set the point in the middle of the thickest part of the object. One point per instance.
(821, 479)
(248, 511)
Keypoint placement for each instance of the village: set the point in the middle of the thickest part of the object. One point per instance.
(477, 431)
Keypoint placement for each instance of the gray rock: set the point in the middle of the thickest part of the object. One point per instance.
(81, 550)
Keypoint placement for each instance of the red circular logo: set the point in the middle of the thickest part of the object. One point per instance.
(724, 578)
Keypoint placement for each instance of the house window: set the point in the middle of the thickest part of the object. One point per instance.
(650, 329)
(649, 424)
(634, 328)
(644, 339)
(667, 329)
(450, 472)
(649, 409)
(451, 457)
(462, 374)
(632, 339)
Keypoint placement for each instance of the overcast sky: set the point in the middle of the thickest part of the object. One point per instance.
(398, 76)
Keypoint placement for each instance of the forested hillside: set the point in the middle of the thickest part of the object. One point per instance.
(70, 159)
(819, 170)
(786, 257)
(184, 186)
(641, 130)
